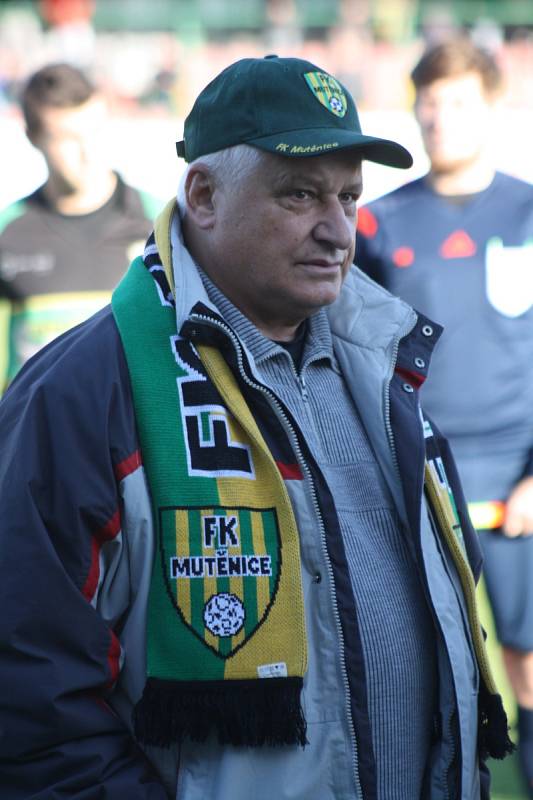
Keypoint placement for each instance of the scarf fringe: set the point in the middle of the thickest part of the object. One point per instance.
(243, 713)
(493, 731)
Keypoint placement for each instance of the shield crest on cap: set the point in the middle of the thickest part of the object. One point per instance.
(328, 92)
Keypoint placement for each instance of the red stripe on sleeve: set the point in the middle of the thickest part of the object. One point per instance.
(113, 659)
(128, 465)
(99, 537)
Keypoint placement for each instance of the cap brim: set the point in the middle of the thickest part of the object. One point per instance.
(319, 141)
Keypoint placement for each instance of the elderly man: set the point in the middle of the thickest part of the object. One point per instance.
(236, 558)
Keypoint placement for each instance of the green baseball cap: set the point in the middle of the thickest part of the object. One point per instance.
(283, 105)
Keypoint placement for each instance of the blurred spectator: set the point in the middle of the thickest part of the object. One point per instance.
(83, 208)
(70, 26)
(161, 92)
(458, 245)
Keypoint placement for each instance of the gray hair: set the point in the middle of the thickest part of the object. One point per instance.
(232, 163)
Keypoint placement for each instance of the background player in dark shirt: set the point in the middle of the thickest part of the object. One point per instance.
(65, 247)
(458, 245)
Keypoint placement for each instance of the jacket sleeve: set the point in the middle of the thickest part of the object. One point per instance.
(59, 658)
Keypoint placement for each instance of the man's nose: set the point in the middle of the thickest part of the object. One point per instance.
(335, 227)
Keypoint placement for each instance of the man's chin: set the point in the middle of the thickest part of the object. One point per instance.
(320, 300)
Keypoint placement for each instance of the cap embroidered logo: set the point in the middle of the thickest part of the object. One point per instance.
(327, 91)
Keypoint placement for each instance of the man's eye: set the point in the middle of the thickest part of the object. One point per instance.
(301, 194)
(347, 198)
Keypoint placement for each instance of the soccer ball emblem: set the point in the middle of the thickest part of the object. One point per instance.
(336, 105)
(224, 614)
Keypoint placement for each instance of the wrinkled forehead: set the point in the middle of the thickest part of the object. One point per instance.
(343, 167)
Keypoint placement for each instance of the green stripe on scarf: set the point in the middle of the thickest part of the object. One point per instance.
(225, 602)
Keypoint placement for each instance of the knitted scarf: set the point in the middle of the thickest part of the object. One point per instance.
(226, 643)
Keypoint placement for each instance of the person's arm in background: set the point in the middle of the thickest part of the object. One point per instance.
(59, 659)
(518, 520)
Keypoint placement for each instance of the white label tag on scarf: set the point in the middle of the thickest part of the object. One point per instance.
(278, 670)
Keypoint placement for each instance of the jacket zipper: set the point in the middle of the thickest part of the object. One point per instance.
(274, 402)
(388, 426)
(390, 436)
(447, 771)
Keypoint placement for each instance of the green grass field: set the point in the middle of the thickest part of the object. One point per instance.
(506, 780)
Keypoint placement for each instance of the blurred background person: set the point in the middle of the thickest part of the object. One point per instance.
(457, 244)
(84, 208)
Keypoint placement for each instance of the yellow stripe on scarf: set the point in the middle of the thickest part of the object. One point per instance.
(162, 226)
(277, 639)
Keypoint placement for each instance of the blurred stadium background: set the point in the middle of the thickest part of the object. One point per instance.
(152, 57)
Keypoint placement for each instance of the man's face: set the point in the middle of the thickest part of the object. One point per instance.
(71, 141)
(454, 118)
(284, 237)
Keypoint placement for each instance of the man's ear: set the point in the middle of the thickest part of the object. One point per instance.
(199, 191)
